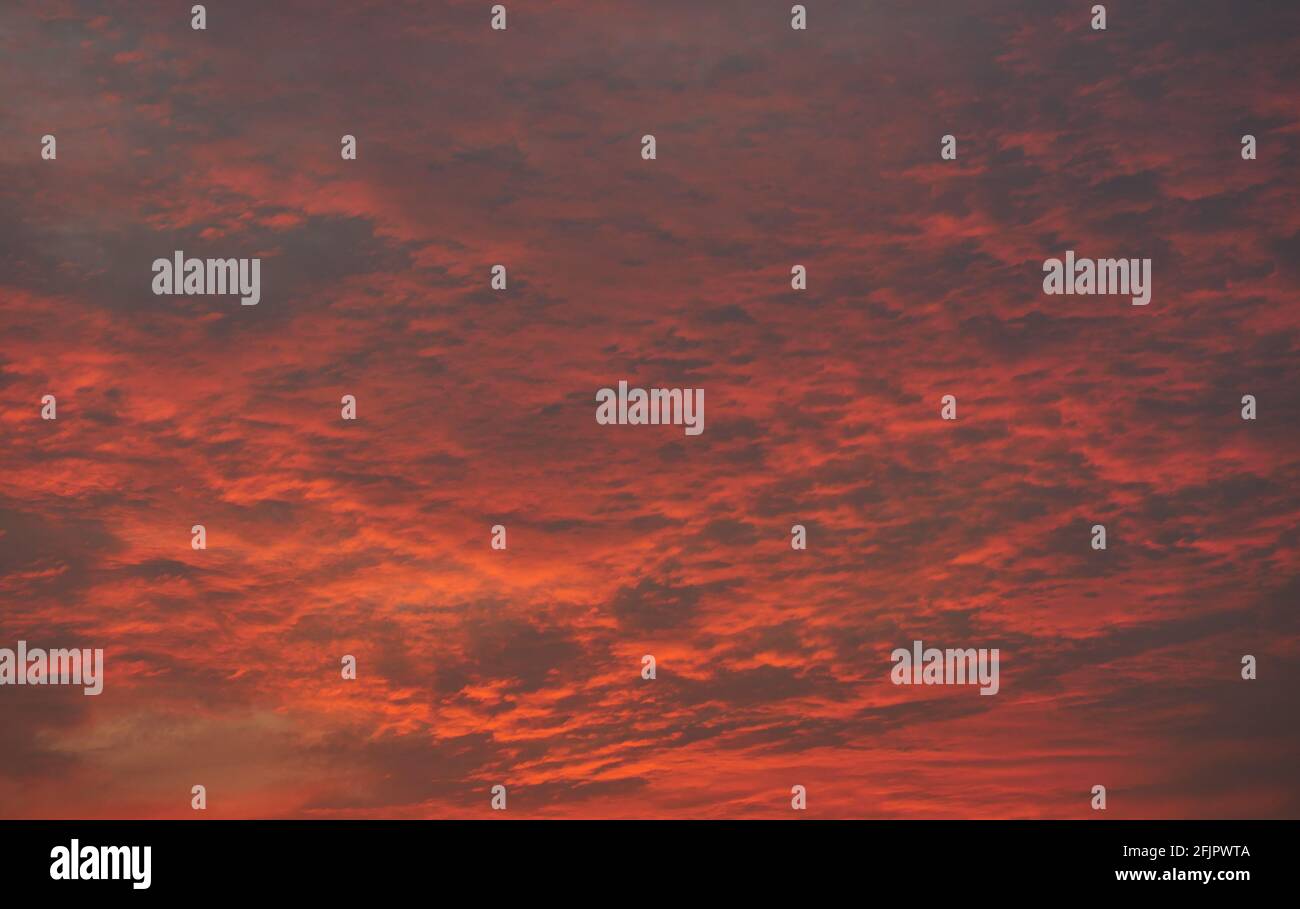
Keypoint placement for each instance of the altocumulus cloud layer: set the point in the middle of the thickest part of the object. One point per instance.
(522, 667)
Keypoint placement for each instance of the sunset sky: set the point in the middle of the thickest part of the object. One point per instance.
(476, 407)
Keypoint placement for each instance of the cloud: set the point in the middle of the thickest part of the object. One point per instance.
(476, 407)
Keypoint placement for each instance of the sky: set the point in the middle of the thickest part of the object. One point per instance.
(475, 407)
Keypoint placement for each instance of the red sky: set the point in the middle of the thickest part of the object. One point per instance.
(476, 407)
